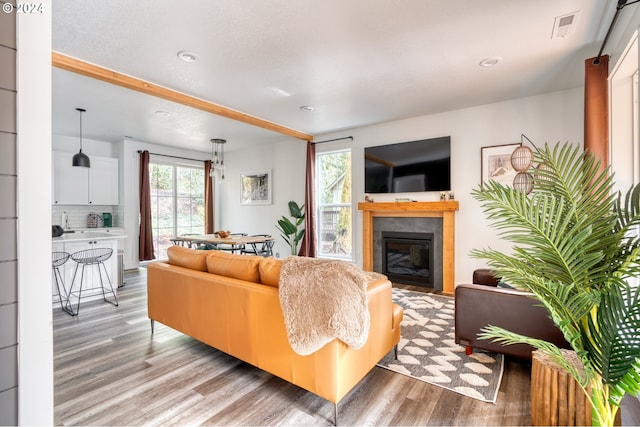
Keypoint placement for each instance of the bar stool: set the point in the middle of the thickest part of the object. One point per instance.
(87, 257)
(57, 260)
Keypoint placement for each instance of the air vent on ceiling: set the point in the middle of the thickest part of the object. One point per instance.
(564, 25)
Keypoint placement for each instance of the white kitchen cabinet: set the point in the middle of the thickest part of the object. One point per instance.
(97, 185)
(70, 184)
(103, 181)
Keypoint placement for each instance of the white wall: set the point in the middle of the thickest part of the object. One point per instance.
(35, 335)
(286, 159)
(90, 147)
(549, 118)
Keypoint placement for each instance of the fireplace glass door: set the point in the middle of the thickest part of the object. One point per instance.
(408, 257)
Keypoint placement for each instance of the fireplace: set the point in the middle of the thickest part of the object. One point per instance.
(407, 257)
(422, 217)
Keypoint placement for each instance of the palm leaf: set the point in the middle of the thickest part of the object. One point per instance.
(615, 338)
(504, 337)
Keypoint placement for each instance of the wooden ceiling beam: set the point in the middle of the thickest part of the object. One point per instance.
(74, 65)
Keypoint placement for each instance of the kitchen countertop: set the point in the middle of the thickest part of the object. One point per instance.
(86, 236)
(93, 230)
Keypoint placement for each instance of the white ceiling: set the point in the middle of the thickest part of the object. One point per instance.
(357, 62)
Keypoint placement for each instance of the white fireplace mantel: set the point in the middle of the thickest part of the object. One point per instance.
(445, 210)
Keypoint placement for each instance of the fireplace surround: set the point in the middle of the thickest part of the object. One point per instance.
(425, 212)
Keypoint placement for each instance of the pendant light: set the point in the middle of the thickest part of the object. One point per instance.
(217, 158)
(521, 160)
(81, 159)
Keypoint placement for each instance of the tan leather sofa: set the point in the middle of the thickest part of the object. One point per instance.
(231, 302)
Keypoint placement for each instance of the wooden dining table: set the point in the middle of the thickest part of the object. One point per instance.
(236, 242)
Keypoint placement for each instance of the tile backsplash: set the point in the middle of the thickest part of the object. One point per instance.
(78, 214)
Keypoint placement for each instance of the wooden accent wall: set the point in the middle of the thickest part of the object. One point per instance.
(445, 210)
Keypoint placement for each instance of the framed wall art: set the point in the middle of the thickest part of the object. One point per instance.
(496, 163)
(255, 187)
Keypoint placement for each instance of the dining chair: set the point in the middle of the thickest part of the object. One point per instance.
(186, 243)
(264, 249)
(232, 247)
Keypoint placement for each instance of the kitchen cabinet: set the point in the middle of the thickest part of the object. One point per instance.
(70, 184)
(97, 185)
(103, 181)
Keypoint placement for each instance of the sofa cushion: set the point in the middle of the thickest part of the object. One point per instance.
(270, 271)
(188, 258)
(242, 267)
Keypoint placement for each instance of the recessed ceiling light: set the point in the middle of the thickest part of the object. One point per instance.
(187, 56)
(306, 108)
(160, 113)
(490, 62)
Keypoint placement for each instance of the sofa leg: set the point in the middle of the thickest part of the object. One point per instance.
(395, 351)
(335, 413)
(153, 322)
(468, 350)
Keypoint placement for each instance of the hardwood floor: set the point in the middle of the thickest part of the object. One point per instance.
(110, 370)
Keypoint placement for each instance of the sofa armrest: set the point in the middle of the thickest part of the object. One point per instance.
(477, 306)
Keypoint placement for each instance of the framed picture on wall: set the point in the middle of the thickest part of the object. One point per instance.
(496, 163)
(255, 187)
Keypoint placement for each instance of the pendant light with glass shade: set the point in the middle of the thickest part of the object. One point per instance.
(217, 158)
(80, 159)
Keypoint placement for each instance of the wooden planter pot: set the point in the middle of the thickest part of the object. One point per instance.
(556, 398)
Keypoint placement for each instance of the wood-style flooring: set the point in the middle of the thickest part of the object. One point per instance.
(110, 370)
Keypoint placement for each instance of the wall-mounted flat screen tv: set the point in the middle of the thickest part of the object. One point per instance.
(423, 165)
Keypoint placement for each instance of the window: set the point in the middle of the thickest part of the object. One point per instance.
(333, 194)
(177, 203)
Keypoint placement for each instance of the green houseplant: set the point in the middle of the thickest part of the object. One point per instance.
(575, 247)
(291, 231)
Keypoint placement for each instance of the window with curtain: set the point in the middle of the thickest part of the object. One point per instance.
(333, 201)
(177, 203)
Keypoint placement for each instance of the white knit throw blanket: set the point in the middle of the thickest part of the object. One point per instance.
(322, 300)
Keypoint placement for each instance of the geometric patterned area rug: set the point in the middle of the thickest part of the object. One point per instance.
(427, 350)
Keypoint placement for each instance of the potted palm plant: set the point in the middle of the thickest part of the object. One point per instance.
(576, 249)
(291, 231)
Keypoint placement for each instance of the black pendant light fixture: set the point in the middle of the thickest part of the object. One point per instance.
(81, 159)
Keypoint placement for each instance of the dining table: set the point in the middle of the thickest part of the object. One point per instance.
(235, 242)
